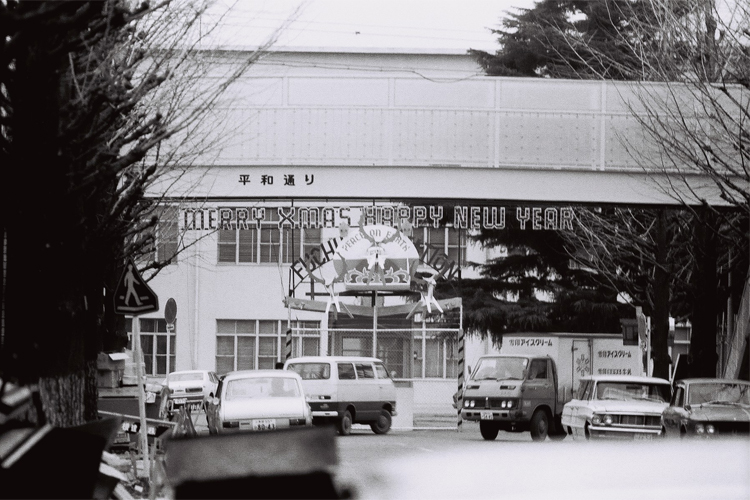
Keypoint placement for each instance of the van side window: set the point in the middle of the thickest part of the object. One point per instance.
(364, 370)
(311, 371)
(346, 371)
(381, 371)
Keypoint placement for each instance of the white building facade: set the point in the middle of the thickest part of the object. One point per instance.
(316, 142)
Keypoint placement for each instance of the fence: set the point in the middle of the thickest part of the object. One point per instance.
(423, 362)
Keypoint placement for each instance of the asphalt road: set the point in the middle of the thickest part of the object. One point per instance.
(363, 454)
(435, 464)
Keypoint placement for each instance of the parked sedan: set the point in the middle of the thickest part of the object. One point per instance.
(258, 400)
(190, 387)
(617, 407)
(708, 407)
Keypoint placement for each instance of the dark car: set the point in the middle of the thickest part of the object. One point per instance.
(708, 407)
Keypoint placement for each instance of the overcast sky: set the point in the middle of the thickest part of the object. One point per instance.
(446, 24)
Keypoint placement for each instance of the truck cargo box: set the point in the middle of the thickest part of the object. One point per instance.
(577, 355)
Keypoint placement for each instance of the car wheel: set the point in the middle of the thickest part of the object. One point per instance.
(383, 424)
(489, 430)
(345, 424)
(539, 426)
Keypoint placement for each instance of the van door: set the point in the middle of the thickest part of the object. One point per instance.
(368, 397)
(347, 385)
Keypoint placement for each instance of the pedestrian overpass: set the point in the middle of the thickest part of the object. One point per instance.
(321, 125)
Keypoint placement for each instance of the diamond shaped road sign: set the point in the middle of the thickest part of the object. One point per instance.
(132, 295)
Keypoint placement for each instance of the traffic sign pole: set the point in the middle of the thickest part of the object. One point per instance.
(132, 297)
(141, 395)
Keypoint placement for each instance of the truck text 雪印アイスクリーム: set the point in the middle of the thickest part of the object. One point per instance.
(525, 387)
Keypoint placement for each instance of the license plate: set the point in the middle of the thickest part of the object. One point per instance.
(265, 424)
(485, 415)
(195, 406)
(180, 401)
(644, 437)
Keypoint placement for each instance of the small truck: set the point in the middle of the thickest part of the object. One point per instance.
(525, 387)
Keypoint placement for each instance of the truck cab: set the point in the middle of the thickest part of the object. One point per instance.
(514, 393)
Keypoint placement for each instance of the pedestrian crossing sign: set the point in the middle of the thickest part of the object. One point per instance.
(133, 296)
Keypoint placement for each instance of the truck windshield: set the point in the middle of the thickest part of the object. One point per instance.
(500, 369)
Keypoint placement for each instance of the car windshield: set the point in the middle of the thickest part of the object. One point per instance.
(261, 387)
(500, 369)
(719, 393)
(185, 377)
(632, 391)
(311, 371)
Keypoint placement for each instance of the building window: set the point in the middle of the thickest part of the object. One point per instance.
(157, 344)
(305, 338)
(393, 348)
(268, 344)
(166, 237)
(235, 345)
(355, 346)
(246, 344)
(269, 244)
(442, 242)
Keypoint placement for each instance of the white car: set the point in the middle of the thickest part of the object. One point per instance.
(190, 387)
(258, 400)
(617, 407)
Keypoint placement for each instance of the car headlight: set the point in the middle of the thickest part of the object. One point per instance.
(472, 403)
(503, 404)
(607, 419)
(510, 404)
(710, 429)
(700, 429)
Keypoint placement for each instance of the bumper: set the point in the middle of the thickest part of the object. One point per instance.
(496, 415)
(336, 410)
(325, 413)
(623, 433)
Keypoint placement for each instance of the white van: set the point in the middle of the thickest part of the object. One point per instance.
(346, 390)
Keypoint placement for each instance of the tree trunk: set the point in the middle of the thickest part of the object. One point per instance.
(52, 296)
(660, 331)
(703, 356)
